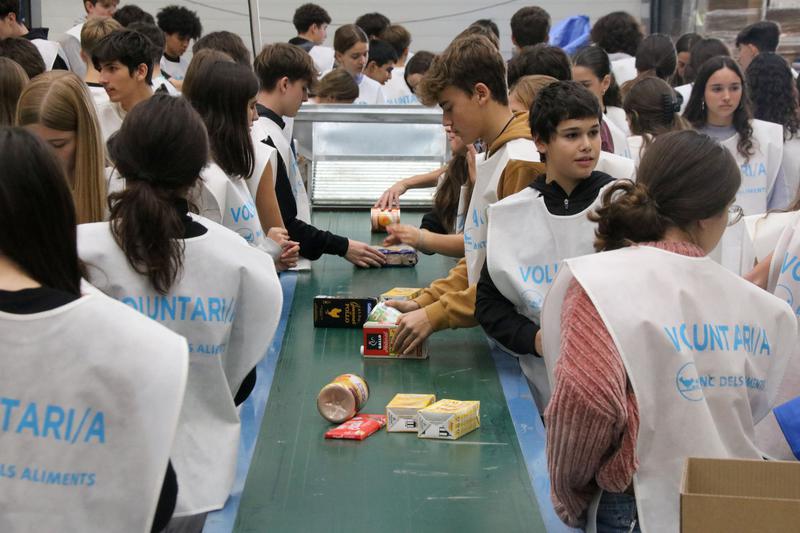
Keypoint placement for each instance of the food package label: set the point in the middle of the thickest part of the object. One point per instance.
(449, 419)
(401, 412)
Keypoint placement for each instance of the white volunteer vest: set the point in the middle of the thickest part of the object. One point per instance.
(396, 91)
(228, 201)
(686, 92)
(263, 155)
(370, 92)
(463, 207)
(484, 192)
(635, 143)
(764, 231)
(784, 282)
(525, 246)
(761, 170)
(267, 129)
(110, 116)
(617, 116)
(791, 164)
(704, 368)
(323, 57)
(735, 249)
(616, 166)
(226, 302)
(49, 50)
(624, 69)
(91, 393)
(618, 137)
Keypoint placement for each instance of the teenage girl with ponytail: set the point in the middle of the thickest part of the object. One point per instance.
(196, 278)
(652, 108)
(639, 338)
(592, 68)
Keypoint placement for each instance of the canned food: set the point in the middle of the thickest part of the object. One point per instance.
(384, 217)
(342, 398)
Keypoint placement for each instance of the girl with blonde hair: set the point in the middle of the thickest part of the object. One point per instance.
(56, 106)
(12, 80)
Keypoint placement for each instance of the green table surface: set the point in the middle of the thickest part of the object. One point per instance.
(390, 482)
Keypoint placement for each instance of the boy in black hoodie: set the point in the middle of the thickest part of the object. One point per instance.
(528, 237)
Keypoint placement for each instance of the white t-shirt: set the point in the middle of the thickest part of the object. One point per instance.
(396, 90)
(110, 115)
(176, 69)
(99, 95)
(370, 92)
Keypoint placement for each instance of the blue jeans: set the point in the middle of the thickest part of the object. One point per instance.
(616, 513)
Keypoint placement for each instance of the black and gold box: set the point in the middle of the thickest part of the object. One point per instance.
(342, 311)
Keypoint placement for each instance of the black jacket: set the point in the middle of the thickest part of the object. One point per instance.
(496, 314)
(313, 242)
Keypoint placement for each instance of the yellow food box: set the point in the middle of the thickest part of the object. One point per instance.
(401, 412)
(401, 294)
(449, 419)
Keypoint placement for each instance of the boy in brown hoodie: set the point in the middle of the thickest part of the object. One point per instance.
(468, 82)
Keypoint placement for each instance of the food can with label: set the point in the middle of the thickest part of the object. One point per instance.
(342, 398)
(381, 218)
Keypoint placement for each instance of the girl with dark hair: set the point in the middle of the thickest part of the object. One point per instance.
(442, 229)
(656, 57)
(634, 366)
(224, 94)
(719, 106)
(701, 51)
(652, 108)
(773, 95)
(56, 345)
(683, 48)
(619, 34)
(416, 68)
(592, 69)
(196, 278)
(351, 47)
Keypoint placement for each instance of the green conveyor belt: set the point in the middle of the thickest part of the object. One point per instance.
(390, 482)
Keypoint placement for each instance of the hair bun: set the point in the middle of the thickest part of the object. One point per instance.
(628, 214)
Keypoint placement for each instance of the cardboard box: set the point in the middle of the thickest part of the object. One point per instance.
(399, 255)
(401, 294)
(342, 311)
(732, 495)
(449, 419)
(379, 342)
(401, 413)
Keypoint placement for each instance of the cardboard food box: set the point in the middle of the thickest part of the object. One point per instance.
(401, 294)
(401, 412)
(449, 419)
(733, 495)
(342, 311)
(379, 342)
(399, 255)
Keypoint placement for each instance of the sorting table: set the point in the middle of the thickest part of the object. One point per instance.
(390, 482)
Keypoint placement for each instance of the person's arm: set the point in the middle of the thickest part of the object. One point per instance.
(269, 212)
(166, 500)
(588, 439)
(391, 196)
(425, 241)
(500, 320)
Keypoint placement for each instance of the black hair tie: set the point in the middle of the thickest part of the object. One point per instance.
(669, 105)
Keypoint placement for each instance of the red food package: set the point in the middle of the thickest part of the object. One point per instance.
(357, 428)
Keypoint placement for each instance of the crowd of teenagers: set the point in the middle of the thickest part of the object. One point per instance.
(626, 219)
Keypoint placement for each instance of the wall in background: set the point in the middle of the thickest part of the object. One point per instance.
(432, 24)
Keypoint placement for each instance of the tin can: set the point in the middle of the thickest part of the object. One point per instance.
(384, 217)
(342, 398)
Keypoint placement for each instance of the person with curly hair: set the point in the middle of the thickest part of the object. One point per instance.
(720, 107)
(774, 98)
(311, 22)
(180, 26)
(619, 34)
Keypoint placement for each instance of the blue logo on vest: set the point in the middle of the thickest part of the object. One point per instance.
(689, 385)
(533, 299)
